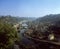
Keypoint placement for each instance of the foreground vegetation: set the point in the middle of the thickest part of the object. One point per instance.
(8, 36)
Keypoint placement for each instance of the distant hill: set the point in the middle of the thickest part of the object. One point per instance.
(13, 20)
(52, 18)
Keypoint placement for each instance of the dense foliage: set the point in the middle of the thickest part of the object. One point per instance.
(8, 36)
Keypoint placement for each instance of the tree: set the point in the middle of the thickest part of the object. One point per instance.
(7, 36)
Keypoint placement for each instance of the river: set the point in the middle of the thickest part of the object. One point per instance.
(24, 39)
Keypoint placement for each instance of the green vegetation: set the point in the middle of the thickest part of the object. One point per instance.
(8, 35)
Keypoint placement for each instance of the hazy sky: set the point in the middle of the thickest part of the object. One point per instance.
(29, 8)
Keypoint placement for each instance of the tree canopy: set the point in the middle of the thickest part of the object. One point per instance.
(7, 36)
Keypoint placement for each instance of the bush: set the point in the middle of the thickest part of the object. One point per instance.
(7, 36)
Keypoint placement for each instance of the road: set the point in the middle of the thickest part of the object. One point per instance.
(44, 44)
(52, 42)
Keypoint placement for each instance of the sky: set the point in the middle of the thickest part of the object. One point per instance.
(29, 8)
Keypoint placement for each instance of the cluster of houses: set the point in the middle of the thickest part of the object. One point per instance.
(21, 25)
